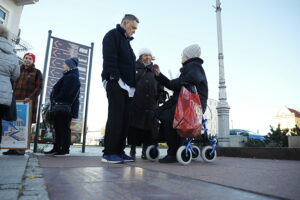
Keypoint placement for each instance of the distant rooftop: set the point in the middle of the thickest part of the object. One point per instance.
(297, 113)
(25, 2)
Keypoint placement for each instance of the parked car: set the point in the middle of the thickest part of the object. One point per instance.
(249, 134)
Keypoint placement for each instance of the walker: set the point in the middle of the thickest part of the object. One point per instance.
(189, 150)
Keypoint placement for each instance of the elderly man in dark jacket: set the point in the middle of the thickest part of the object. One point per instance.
(118, 78)
(66, 90)
(191, 73)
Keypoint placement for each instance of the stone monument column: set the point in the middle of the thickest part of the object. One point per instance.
(222, 107)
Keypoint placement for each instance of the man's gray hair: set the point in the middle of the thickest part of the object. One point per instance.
(4, 32)
(130, 17)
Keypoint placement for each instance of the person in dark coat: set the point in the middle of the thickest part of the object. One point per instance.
(143, 104)
(191, 74)
(118, 77)
(66, 90)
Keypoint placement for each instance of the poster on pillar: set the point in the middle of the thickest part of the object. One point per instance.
(61, 50)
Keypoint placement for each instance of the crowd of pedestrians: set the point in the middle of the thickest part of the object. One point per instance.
(135, 90)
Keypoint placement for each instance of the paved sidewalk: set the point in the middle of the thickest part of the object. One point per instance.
(11, 174)
(83, 176)
(21, 178)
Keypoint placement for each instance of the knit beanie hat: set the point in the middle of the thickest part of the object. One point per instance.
(145, 51)
(72, 62)
(31, 55)
(192, 51)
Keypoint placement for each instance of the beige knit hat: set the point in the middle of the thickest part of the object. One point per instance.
(145, 51)
(192, 51)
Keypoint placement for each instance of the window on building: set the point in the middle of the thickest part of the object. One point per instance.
(3, 16)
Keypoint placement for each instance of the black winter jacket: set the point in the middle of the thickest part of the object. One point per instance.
(118, 57)
(66, 89)
(146, 96)
(192, 73)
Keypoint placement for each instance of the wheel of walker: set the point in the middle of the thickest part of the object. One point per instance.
(152, 153)
(195, 152)
(206, 154)
(184, 157)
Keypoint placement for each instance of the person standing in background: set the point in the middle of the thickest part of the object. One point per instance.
(66, 90)
(28, 88)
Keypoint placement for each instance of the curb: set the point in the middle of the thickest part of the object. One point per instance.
(33, 183)
(279, 153)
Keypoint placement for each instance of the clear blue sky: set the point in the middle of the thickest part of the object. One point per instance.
(260, 41)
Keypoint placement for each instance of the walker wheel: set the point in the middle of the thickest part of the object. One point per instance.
(152, 153)
(184, 157)
(206, 154)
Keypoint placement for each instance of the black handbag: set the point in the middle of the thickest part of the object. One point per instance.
(11, 112)
(63, 108)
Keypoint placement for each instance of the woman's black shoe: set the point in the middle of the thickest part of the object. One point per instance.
(14, 152)
(168, 159)
(50, 152)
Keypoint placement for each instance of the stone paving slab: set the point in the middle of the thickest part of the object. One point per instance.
(21, 178)
(83, 175)
(12, 169)
(128, 183)
(11, 174)
(9, 194)
(279, 178)
(274, 178)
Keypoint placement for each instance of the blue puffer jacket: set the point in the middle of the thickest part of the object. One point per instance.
(9, 69)
(65, 90)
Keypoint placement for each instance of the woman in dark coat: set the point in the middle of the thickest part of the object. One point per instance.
(66, 90)
(191, 73)
(143, 104)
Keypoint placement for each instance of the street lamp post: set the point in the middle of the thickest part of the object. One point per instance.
(222, 107)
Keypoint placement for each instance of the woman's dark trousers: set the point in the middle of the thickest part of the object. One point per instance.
(62, 129)
(172, 138)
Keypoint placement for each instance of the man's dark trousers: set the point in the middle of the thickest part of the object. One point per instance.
(117, 121)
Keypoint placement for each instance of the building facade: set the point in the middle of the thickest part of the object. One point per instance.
(287, 118)
(10, 16)
(211, 115)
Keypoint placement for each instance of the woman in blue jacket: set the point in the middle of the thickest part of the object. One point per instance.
(66, 90)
